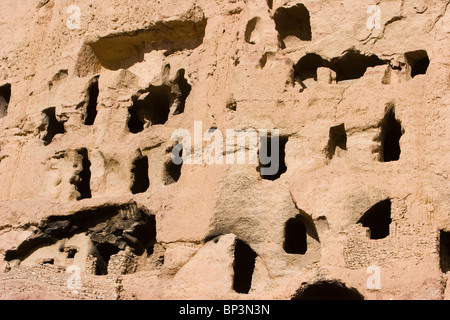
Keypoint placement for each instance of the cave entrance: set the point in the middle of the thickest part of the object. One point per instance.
(172, 170)
(292, 21)
(183, 89)
(150, 109)
(84, 177)
(444, 250)
(51, 125)
(71, 252)
(327, 290)
(244, 265)
(306, 68)
(391, 132)
(5, 96)
(353, 64)
(91, 108)
(338, 138)
(378, 219)
(135, 123)
(295, 237)
(249, 30)
(105, 250)
(418, 62)
(139, 174)
(273, 151)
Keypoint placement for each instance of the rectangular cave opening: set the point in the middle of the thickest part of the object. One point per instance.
(5, 96)
(244, 265)
(250, 29)
(418, 62)
(378, 219)
(69, 251)
(353, 64)
(306, 67)
(337, 139)
(444, 250)
(110, 229)
(91, 108)
(50, 125)
(272, 154)
(295, 236)
(158, 104)
(139, 174)
(83, 180)
(182, 90)
(172, 168)
(391, 132)
(152, 108)
(293, 21)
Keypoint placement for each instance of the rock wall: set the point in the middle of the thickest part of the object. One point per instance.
(93, 97)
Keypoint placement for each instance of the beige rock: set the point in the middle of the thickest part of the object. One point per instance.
(88, 116)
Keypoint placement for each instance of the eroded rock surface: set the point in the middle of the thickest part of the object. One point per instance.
(91, 98)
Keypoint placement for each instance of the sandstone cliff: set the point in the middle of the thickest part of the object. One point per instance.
(90, 96)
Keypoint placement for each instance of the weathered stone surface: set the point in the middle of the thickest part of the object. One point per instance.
(88, 113)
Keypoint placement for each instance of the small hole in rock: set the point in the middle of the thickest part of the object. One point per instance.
(378, 219)
(444, 250)
(48, 261)
(338, 138)
(135, 125)
(353, 64)
(5, 96)
(184, 90)
(272, 157)
(251, 26)
(140, 175)
(293, 21)
(327, 290)
(244, 265)
(91, 109)
(51, 125)
(173, 170)
(106, 250)
(111, 228)
(418, 62)
(295, 240)
(152, 108)
(391, 132)
(306, 67)
(84, 177)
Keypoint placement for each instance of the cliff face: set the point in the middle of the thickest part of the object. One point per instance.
(94, 96)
